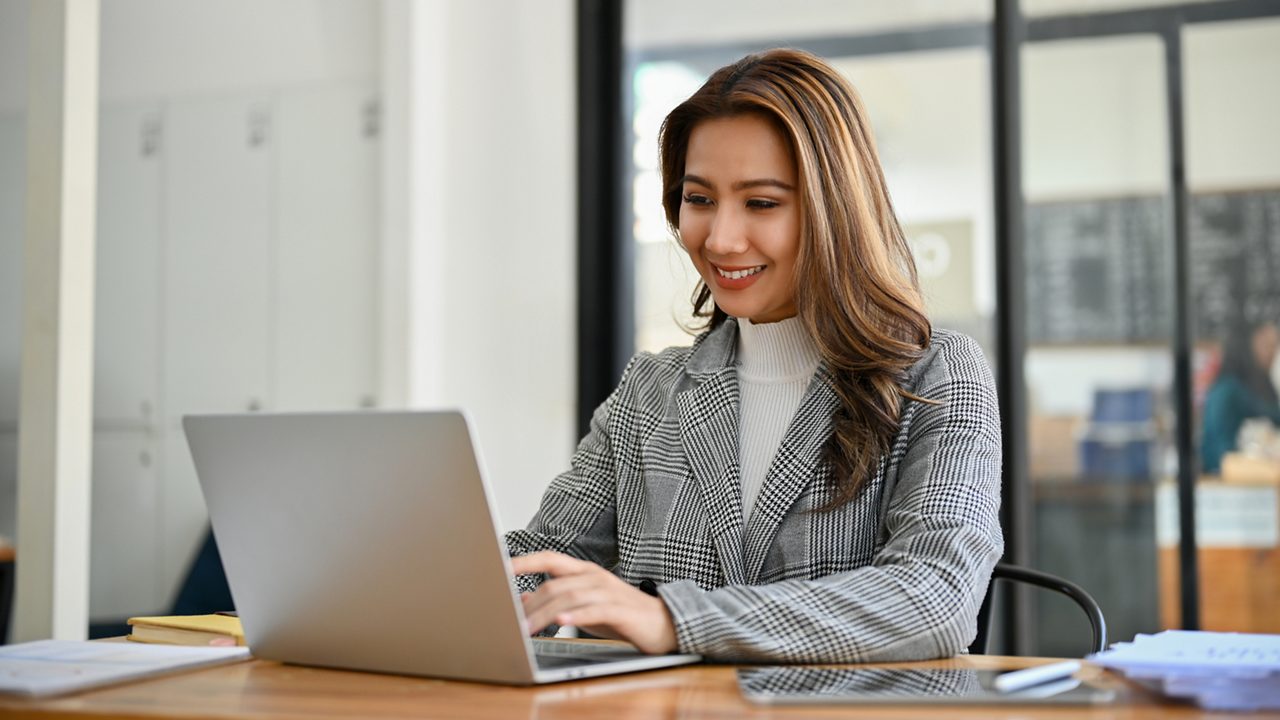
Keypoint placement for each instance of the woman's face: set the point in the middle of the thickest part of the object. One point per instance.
(740, 216)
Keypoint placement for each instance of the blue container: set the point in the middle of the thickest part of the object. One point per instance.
(1136, 405)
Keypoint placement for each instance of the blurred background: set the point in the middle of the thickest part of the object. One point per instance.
(342, 204)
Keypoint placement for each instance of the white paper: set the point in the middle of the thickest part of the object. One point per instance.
(51, 667)
(1174, 649)
(1219, 671)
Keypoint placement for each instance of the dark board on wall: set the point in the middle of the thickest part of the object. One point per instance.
(1100, 271)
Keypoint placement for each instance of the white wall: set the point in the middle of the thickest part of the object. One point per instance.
(1094, 119)
(1233, 104)
(492, 244)
(187, 47)
(655, 23)
(13, 55)
(181, 47)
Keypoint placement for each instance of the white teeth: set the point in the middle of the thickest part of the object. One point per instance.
(738, 274)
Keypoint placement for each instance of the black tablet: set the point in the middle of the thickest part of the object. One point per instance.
(892, 686)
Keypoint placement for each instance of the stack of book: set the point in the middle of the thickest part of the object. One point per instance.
(1218, 671)
(216, 629)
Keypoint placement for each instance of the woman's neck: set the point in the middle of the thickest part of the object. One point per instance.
(780, 350)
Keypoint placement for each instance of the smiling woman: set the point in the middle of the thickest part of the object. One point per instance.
(740, 217)
(816, 479)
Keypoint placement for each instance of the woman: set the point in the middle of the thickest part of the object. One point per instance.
(816, 479)
(1242, 390)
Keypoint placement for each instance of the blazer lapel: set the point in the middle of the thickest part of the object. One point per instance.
(792, 470)
(709, 434)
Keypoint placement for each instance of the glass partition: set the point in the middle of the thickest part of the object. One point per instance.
(13, 182)
(1233, 167)
(1058, 8)
(1098, 366)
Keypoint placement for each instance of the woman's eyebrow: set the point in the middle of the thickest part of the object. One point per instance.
(741, 184)
(688, 178)
(762, 182)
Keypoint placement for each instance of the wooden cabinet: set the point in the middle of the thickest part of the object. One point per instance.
(327, 249)
(1239, 589)
(218, 255)
(218, 261)
(124, 538)
(127, 310)
(237, 261)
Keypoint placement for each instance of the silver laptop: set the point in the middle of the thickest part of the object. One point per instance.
(368, 541)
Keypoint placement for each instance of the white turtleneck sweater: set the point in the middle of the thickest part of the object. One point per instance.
(776, 362)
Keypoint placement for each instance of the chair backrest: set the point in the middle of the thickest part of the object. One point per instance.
(6, 590)
(1006, 571)
(205, 588)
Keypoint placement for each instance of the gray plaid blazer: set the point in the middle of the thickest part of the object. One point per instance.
(653, 493)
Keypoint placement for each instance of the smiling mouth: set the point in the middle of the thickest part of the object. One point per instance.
(738, 274)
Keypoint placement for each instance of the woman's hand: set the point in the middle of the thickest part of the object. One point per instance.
(586, 595)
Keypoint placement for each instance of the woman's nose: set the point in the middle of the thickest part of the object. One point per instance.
(728, 234)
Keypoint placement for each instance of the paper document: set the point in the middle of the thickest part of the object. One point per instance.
(52, 667)
(1220, 671)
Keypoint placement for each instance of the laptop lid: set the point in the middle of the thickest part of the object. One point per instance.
(362, 540)
(369, 541)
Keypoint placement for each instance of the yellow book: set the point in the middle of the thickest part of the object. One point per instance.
(187, 630)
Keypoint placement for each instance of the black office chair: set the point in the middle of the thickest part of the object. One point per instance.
(6, 597)
(1006, 571)
(205, 588)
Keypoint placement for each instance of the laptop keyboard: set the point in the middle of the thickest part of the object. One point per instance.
(552, 654)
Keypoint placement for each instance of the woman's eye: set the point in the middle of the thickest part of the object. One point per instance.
(692, 199)
(761, 204)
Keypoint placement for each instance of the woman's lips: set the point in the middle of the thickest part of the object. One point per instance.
(737, 278)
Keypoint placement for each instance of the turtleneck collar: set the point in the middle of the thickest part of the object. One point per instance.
(776, 351)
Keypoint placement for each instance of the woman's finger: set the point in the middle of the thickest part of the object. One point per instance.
(584, 594)
(566, 593)
(549, 562)
(568, 589)
(643, 623)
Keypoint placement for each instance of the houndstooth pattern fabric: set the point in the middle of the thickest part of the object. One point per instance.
(653, 493)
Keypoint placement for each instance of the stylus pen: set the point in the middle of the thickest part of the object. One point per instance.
(1019, 679)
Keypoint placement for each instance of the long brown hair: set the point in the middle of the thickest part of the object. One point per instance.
(856, 287)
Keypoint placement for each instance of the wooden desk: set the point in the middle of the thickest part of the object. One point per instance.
(262, 689)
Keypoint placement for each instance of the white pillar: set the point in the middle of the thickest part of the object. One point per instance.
(393, 325)
(415, 72)
(56, 423)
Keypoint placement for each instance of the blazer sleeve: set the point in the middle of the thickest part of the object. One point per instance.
(577, 514)
(920, 595)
